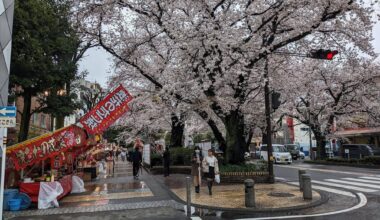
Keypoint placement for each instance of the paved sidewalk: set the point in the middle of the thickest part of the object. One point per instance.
(109, 195)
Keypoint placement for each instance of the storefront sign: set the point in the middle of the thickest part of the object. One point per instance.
(107, 111)
(46, 146)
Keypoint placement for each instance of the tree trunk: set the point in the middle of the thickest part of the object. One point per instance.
(59, 122)
(178, 128)
(215, 130)
(321, 142)
(235, 137)
(25, 117)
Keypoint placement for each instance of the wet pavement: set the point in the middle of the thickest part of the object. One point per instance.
(111, 193)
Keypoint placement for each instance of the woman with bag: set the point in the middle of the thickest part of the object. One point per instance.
(196, 163)
(210, 168)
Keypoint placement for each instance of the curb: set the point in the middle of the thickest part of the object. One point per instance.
(345, 165)
(324, 198)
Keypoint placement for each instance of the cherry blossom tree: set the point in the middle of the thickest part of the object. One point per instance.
(324, 96)
(210, 55)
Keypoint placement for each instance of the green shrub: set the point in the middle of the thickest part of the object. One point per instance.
(181, 156)
(375, 160)
(155, 159)
(242, 168)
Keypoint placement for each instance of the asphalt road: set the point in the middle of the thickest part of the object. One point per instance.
(339, 179)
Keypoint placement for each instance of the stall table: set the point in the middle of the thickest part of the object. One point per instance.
(33, 189)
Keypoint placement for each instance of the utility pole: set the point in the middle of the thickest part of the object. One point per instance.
(269, 124)
(310, 141)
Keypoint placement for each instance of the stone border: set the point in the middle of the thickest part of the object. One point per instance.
(324, 198)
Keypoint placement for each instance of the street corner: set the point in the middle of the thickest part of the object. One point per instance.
(278, 197)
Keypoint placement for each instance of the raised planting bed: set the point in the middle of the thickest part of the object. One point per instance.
(173, 170)
(239, 177)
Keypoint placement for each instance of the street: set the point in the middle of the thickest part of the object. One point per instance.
(339, 180)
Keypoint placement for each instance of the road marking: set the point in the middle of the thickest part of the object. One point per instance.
(195, 218)
(361, 180)
(370, 178)
(344, 186)
(362, 203)
(280, 178)
(327, 171)
(354, 183)
(331, 190)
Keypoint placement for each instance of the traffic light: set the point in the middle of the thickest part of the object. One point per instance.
(276, 100)
(323, 54)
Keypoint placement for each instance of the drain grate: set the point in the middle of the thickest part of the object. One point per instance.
(280, 194)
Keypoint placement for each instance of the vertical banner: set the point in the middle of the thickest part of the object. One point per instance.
(107, 111)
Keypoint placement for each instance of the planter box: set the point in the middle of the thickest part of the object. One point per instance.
(239, 177)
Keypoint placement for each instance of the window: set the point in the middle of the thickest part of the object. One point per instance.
(35, 119)
(43, 121)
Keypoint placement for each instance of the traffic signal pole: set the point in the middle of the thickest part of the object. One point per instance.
(269, 124)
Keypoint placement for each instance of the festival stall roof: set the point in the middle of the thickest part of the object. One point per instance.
(46, 146)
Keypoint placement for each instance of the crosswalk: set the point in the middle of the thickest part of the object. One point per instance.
(366, 184)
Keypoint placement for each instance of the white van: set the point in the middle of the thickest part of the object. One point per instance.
(280, 153)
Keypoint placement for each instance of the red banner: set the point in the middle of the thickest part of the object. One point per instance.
(47, 146)
(107, 111)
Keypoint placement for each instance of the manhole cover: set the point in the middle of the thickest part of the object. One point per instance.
(280, 194)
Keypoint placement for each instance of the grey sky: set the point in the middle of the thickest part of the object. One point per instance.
(97, 61)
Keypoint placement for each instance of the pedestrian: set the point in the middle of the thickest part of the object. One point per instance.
(166, 158)
(109, 160)
(136, 162)
(196, 163)
(210, 168)
(123, 155)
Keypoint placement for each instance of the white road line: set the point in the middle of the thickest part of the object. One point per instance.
(354, 183)
(370, 178)
(327, 171)
(195, 218)
(361, 180)
(344, 186)
(280, 178)
(362, 203)
(331, 190)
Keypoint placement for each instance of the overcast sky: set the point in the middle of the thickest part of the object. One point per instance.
(97, 62)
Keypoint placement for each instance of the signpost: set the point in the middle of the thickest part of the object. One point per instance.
(7, 120)
(347, 152)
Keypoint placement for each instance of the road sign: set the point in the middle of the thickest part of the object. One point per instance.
(7, 122)
(347, 151)
(8, 111)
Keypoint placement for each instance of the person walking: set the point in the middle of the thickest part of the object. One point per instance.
(123, 155)
(109, 160)
(210, 168)
(136, 162)
(196, 163)
(166, 158)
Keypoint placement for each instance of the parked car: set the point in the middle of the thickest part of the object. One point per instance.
(357, 151)
(280, 153)
(294, 150)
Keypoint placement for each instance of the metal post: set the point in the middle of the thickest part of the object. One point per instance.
(188, 196)
(300, 173)
(307, 189)
(3, 139)
(269, 125)
(249, 193)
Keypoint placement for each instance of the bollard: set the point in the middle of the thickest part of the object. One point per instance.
(300, 173)
(188, 196)
(249, 193)
(307, 189)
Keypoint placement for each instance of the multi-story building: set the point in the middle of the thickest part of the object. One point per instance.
(88, 93)
(6, 23)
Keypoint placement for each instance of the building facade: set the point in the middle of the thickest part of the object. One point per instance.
(6, 23)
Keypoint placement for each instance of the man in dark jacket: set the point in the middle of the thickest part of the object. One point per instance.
(166, 158)
(136, 162)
